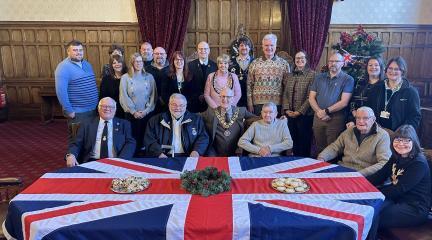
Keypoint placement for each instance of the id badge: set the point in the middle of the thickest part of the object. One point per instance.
(385, 114)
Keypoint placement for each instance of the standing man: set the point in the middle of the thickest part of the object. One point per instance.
(159, 68)
(146, 51)
(102, 137)
(240, 66)
(200, 69)
(76, 87)
(330, 94)
(267, 76)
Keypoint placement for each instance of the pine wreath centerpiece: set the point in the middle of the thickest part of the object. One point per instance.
(356, 48)
(206, 182)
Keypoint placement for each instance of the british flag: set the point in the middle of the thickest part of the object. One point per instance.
(77, 203)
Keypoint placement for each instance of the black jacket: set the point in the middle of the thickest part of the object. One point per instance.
(242, 76)
(196, 88)
(159, 132)
(160, 76)
(413, 186)
(404, 105)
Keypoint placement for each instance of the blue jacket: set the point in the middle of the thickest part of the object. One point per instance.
(159, 132)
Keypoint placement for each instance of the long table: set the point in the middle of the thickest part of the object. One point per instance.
(77, 203)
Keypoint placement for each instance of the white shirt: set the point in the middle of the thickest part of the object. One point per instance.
(96, 149)
(203, 63)
(177, 138)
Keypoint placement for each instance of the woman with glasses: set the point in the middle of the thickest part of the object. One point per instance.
(296, 105)
(179, 78)
(395, 101)
(374, 76)
(111, 82)
(405, 181)
(138, 96)
(219, 80)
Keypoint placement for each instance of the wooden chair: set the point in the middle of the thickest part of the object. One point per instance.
(9, 187)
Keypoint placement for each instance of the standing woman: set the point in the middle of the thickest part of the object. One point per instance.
(407, 194)
(395, 101)
(138, 96)
(111, 82)
(296, 105)
(375, 76)
(219, 80)
(178, 77)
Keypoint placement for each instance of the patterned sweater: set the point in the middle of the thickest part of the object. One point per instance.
(266, 80)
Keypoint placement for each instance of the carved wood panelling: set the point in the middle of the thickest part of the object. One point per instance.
(30, 52)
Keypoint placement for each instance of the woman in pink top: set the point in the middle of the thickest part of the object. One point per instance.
(219, 80)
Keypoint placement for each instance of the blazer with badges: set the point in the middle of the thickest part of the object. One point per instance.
(403, 107)
(159, 132)
(84, 142)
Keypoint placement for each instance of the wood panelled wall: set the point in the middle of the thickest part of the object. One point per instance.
(30, 51)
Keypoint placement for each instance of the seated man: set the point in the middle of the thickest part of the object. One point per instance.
(365, 146)
(177, 132)
(268, 136)
(225, 125)
(102, 137)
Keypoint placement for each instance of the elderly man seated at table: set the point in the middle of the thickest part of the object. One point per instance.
(268, 136)
(225, 125)
(365, 146)
(177, 132)
(102, 137)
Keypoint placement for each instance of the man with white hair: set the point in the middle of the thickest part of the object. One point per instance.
(177, 132)
(267, 76)
(102, 137)
(267, 137)
(364, 147)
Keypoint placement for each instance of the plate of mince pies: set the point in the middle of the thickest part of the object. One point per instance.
(290, 185)
(129, 184)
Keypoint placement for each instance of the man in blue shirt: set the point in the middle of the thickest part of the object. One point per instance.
(329, 95)
(76, 87)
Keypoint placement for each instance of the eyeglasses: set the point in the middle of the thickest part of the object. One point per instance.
(402, 140)
(363, 118)
(178, 106)
(179, 60)
(300, 58)
(226, 97)
(107, 107)
(156, 53)
(335, 61)
(393, 69)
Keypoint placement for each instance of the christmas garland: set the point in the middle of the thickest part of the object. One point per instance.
(206, 182)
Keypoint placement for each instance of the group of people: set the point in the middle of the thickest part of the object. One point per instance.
(158, 108)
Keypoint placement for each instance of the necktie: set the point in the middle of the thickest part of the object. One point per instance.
(227, 117)
(104, 142)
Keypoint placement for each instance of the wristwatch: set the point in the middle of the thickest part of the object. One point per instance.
(327, 111)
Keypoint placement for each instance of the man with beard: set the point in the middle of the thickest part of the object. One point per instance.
(76, 88)
(329, 96)
(146, 51)
(240, 66)
(176, 132)
(200, 69)
(159, 68)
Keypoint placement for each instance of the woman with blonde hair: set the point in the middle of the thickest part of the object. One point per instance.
(138, 97)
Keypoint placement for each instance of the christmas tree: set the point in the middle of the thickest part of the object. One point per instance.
(356, 48)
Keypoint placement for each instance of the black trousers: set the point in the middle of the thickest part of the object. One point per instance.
(138, 127)
(301, 133)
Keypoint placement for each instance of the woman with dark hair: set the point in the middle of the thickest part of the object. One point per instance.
(374, 75)
(405, 181)
(296, 105)
(115, 49)
(178, 77)
(110, 83)
(395, 101)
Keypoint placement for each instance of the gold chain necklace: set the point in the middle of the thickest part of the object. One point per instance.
(222, 121)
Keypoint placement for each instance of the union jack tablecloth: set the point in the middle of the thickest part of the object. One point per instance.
(77, 203)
